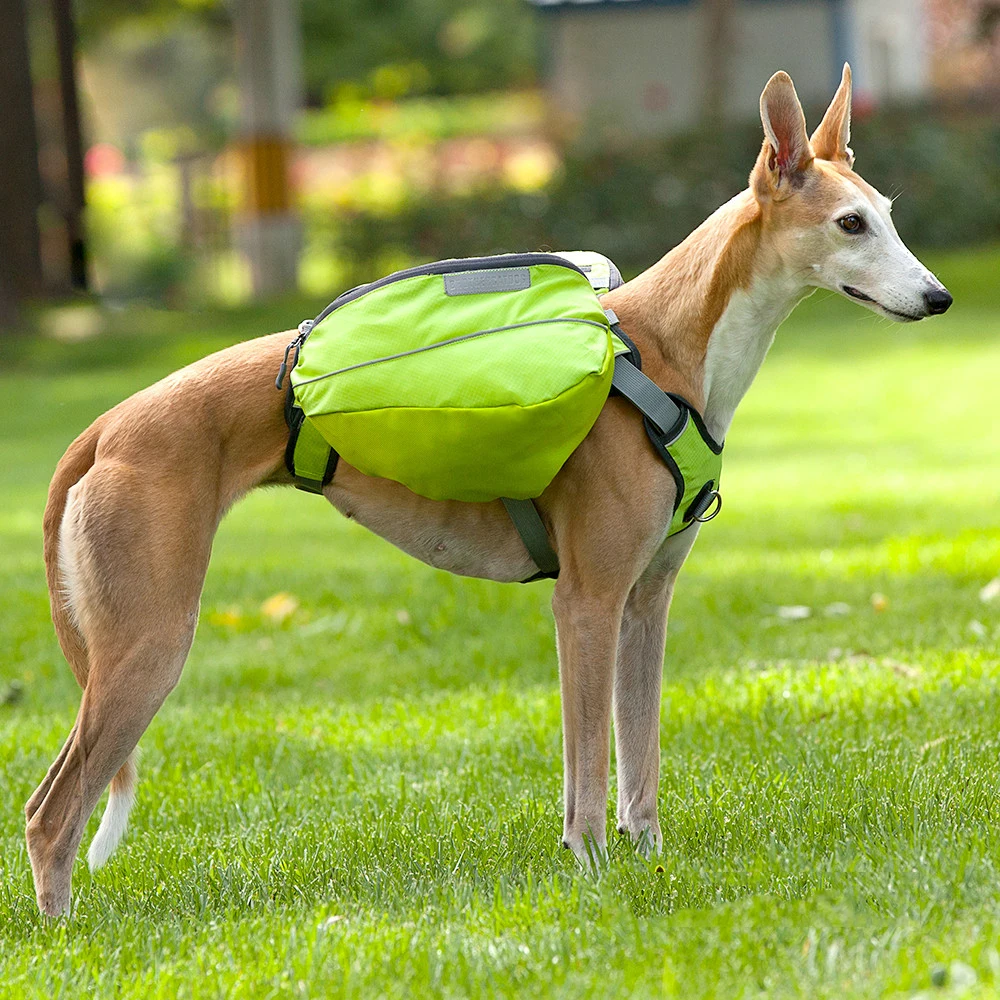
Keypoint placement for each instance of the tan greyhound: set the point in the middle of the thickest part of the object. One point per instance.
(137, 498)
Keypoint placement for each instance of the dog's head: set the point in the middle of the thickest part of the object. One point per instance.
(826, 223)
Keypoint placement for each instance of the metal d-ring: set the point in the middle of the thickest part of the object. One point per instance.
(706, 516)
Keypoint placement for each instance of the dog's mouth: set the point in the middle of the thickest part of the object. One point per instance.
(854, 293)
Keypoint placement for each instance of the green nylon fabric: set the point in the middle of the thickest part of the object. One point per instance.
(494, 414)
(698, 465)
(312, 453)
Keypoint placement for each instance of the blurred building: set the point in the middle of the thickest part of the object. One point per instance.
(656, 66)
(965, 46)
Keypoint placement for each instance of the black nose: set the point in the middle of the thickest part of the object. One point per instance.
(938, 300)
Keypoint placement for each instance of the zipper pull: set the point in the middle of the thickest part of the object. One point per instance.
(305, 328)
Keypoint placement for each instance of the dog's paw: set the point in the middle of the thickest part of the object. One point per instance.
(54, 904)
(645, 836)
(592, 856)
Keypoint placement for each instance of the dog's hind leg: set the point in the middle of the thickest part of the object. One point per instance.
(38, 795)
(140, 565)
(74, 465)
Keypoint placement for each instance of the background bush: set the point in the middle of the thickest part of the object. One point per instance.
(635, 200)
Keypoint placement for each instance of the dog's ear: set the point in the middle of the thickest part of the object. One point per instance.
(829, 141)
(786, 153)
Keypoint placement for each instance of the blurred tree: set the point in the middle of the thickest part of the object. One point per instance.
(65, 32)
(440, 46)
(387, 47)
(20, 186)
(270, 46)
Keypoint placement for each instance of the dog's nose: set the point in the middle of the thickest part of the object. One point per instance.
(937, 300)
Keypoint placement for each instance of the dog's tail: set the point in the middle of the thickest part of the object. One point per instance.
(73, 466)
(115, 819)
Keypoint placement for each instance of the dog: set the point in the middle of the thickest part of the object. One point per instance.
(136, 500)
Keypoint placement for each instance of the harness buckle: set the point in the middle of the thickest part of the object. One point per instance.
(701, 514)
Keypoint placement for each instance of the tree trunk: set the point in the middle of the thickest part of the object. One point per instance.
(62, 12)
(20, 184)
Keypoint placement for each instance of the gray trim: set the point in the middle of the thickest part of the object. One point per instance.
(499, 279)
(615, 277)
(446, 267)
(451, 340)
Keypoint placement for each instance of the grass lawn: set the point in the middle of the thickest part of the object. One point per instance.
(362, 798)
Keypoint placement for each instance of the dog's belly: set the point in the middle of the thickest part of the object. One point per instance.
(471, 539)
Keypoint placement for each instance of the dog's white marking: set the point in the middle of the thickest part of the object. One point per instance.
(69, 560)
(739, 342)
(114, 822)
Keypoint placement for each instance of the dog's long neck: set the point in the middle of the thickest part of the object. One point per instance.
(705, 315)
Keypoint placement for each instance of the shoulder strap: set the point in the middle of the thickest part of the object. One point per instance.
(649, 399)
(641, 391)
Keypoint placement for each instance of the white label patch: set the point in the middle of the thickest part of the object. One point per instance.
(501, 279)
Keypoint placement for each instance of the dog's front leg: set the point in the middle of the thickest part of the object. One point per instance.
(587, 625)
(638, 677)
(637, 710)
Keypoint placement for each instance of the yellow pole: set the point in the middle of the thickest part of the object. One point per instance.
(269, 49)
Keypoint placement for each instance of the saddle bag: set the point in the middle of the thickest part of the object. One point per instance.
(468, 379)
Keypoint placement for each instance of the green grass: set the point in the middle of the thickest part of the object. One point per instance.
(365, 799)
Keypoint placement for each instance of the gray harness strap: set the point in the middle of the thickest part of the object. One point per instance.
(648, 398)
(529, 526)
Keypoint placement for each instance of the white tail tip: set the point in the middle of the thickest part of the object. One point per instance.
(115, 818)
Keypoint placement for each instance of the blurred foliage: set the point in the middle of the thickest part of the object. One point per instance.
(175, 76)
(390, 175)
(634, 200)
(383, 49)
(351, 118)
(132, 239)
(395, 48)
(378, 205)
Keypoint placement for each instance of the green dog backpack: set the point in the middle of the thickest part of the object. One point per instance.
(464, 379)
(475, 379)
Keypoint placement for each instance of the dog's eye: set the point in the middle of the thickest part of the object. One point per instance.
(852, 223)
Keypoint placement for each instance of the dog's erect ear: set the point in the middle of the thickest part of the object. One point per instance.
(829, 141)
(786, 153)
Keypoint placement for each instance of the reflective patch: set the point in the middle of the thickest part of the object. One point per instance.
(503, 279)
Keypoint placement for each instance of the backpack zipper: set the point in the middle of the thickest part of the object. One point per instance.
(305, 328)
(451, 340)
